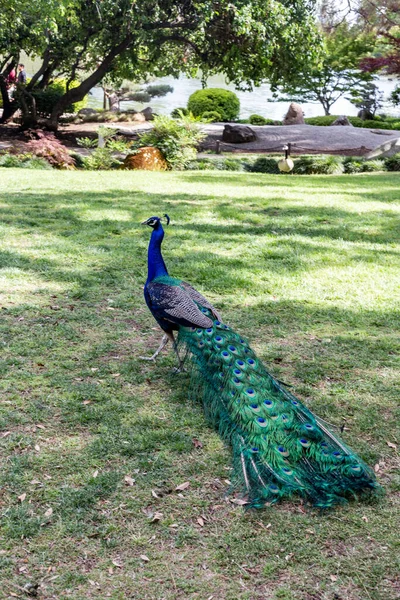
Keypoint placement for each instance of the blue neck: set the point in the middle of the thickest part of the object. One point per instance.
(155, 262)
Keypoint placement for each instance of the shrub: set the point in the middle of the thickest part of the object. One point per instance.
(23, 161)
(161, 89)
(264, 164)
(177, 139)
(48, 147)
(201, 165)
(46, 99)
(178, 113)
(358, 165)
(211, 116)
(392, 163)
(318, 165)
(258, 120)
(101, 159)
(378, 123)
(224, 102)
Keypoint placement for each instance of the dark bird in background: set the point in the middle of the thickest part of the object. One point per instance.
(280, 448)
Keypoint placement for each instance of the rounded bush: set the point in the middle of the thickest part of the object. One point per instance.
(258, 120)
(224, 102)
(211, 116)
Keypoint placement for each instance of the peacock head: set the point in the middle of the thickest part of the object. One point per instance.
(155, 222)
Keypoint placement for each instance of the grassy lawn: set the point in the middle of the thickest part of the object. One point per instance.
(95, 441)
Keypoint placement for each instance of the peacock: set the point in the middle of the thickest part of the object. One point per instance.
(280, 448)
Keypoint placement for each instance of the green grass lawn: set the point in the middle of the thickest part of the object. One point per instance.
(306, 267)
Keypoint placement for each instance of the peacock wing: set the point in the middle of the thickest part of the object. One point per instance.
(199, 299)
(174, 303)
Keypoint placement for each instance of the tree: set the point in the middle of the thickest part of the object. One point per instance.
(369, 100)
(336, 73)
(247, 41)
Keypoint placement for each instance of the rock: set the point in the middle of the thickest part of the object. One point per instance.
(238, 134)
(147, 158)
(343, 120)
(385, 150)
(365, 114)
(87, 111)
(294, 115)
(138, 118)
(148, 113)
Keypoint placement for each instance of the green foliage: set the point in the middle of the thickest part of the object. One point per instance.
(224, 102)
(358, 165)
(47, 98)
(259, 120)
(395, 96)
(368, 99)
(392, 163)
(318, 165)
(101, 159)
(140, 96)
(211, 116)
(180, 112)
(336, 71)
(265, 165)
(159, 89)
(377, 123)
(23, 161)
(177, 139)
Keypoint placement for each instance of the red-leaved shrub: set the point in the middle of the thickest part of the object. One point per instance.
(47, 146)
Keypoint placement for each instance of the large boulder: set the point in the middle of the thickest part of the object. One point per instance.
(148, 113)
(238, 134)
(294, 115)
(342, 120)
(147, 158)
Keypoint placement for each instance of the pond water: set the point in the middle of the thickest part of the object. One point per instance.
(255, 102)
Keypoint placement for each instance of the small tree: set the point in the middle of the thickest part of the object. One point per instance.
(336, 73)
(369, 100)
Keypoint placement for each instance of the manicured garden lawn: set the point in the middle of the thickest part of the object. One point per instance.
(306, 267)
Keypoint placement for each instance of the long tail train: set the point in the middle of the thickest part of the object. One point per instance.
(279, 447)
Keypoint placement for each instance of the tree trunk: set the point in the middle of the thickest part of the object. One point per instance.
(76, 94)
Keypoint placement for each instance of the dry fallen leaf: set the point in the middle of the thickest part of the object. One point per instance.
(391, 445)
(200, 521)
(182, 486)
(157, 517)
(22, 497)
(174, 525)
(197, 443)
(115, 374)
(377, 467)
(238, 501)
(144, 557)
(40, 426)
(95, 474)
(128, 480)
(86, 402)
(37, 448)
(364, 518)
(35, 482)
(48, 512)
(154, 494)
(333, 577)
(117, 563)
(5, 433)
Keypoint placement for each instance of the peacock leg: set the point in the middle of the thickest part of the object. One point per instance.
(164, 342)
(180, 367)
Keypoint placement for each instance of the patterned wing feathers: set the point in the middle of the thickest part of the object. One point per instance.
(176, 305)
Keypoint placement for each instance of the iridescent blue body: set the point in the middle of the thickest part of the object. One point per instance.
(280, 448)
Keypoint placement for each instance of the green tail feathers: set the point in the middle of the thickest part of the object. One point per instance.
(280, 448)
